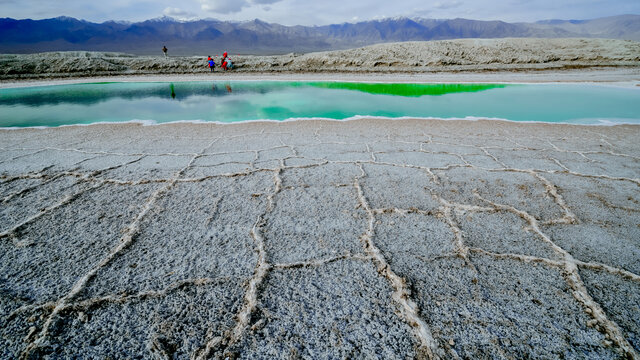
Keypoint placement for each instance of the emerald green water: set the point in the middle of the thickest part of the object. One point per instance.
(413, 90)
(250, 100)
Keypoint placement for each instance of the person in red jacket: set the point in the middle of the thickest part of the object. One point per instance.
(226, 62)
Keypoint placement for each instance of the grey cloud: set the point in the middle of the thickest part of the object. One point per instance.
(264, 2)
(231, 6)
(223, 6)
(447, 5)
(178, 13)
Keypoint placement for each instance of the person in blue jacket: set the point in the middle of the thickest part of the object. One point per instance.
(212, 63)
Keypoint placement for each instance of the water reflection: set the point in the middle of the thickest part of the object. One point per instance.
(88, 94)
(225, 101)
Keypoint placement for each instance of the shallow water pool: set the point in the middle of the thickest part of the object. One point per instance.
(274, 100)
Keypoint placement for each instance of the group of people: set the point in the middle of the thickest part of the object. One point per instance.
(225, 63)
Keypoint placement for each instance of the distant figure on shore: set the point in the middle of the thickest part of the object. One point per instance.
(226, 62)
(164, 50)
(212, 63)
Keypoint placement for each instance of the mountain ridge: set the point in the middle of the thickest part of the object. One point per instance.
(260, 37)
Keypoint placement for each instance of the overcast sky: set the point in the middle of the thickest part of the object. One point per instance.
(317, 12)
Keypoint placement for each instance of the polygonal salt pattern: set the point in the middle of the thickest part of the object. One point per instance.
(367, 238)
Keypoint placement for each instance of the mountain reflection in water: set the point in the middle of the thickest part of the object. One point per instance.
(237, 101)
(92, 93)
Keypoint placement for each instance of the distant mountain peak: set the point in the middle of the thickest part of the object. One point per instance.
(574, 21)
(398, 17)
(163, 18)
(119, 22)
(260, 37)
(393, 18)
(560, 21)
(65, 18)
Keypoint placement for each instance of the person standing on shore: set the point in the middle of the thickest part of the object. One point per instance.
(212, 63)
(225, 63)
(164, 50)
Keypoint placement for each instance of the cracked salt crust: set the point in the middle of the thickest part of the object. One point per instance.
(473, 228)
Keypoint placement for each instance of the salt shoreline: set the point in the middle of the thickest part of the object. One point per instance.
(622, 76)
(267, 121)
(422, 57)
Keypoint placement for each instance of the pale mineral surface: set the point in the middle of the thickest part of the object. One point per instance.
(320, 239)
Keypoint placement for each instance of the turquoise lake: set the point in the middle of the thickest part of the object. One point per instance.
(274, 100)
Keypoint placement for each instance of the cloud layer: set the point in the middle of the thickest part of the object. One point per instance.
(305, 12)
(231, 6)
